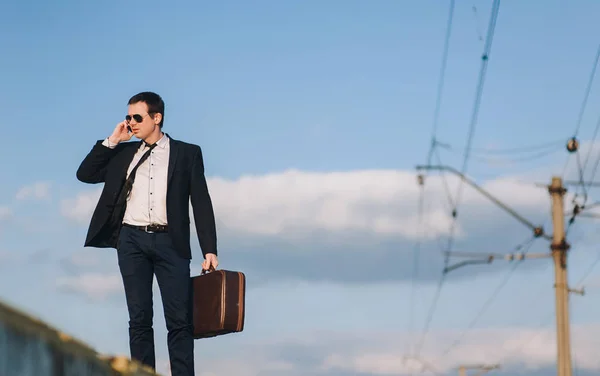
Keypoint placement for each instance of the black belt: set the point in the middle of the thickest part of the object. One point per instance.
(149, 228)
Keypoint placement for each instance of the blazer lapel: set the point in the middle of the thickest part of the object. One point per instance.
(173, 150)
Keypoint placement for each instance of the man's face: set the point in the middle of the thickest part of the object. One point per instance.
(139, 111)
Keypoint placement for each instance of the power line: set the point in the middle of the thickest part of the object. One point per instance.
(445, 183)
(527, 245)
(519, 149)
(573, 146)
(536, 301)
(441, 81)
(587, 93)
(487, 159)
(416, 253)
(432, 146)
(559, 251)
(550, 315)
(582, 170)
(584, 103)
(537, 230)
(589, 270)
(593, 142)
(559, 245)
(479, 93)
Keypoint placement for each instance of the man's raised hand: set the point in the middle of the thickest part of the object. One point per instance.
(121, 133)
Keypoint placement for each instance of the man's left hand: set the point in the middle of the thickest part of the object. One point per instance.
(210, 261)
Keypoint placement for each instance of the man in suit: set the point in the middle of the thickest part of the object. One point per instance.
(143, 212)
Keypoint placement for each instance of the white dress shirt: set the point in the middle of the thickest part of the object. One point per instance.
(147, 203)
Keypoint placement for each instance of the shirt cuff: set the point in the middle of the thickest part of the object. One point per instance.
(108, 144)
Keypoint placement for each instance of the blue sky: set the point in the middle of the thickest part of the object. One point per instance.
(311, 116)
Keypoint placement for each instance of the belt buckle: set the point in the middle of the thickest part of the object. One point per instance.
(146, 229)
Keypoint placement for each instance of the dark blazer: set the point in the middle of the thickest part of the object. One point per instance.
(185, 180)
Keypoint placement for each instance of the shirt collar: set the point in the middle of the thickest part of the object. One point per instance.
(161, 143)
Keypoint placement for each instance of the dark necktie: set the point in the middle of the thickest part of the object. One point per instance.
(129, 182)
(120, 205)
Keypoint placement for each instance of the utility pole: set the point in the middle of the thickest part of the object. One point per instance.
(559, 249)
(462, 370)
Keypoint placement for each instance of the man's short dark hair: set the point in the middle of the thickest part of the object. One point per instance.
(153, 101)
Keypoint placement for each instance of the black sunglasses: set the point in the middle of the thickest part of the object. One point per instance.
(137, 117)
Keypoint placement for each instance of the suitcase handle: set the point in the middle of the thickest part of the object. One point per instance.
(212, 269)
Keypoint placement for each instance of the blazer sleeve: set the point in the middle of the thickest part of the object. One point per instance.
(202, 206)
(92, 169)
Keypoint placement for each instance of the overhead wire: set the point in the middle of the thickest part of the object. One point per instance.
(583, 107)
(546, 319)
(584, 101)
(432, 147)
(595, 168)
(441, 81)
(587, 93)
(549, 317)
(526, 245)
(467, 156)
(415, 268)
(592, 145)
(524, 149)
(539, 295)
(581, 173)
(524, 158)
(589, 270)
(581, 167)
(479, 92)
(445, 182)
(469, 151)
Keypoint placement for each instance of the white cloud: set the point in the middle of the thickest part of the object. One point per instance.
(80, 208)
(278, 204)
(299, 214)
(383, 354)
(375, 201)
(38, 190)
(517, 193)
(380, 202)
(94, 285)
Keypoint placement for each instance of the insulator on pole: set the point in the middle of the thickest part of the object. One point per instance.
(572, 145)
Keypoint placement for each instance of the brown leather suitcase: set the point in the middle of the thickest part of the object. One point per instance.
(219, 303)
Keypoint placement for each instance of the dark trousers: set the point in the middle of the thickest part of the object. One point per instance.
(141, 256)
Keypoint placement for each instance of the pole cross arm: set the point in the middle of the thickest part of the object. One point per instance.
(506, 256)
(538, 231)
(487, 369)
(487, 258)
(465, 263)
(588, 183)
(580, 291)
(482, 368)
